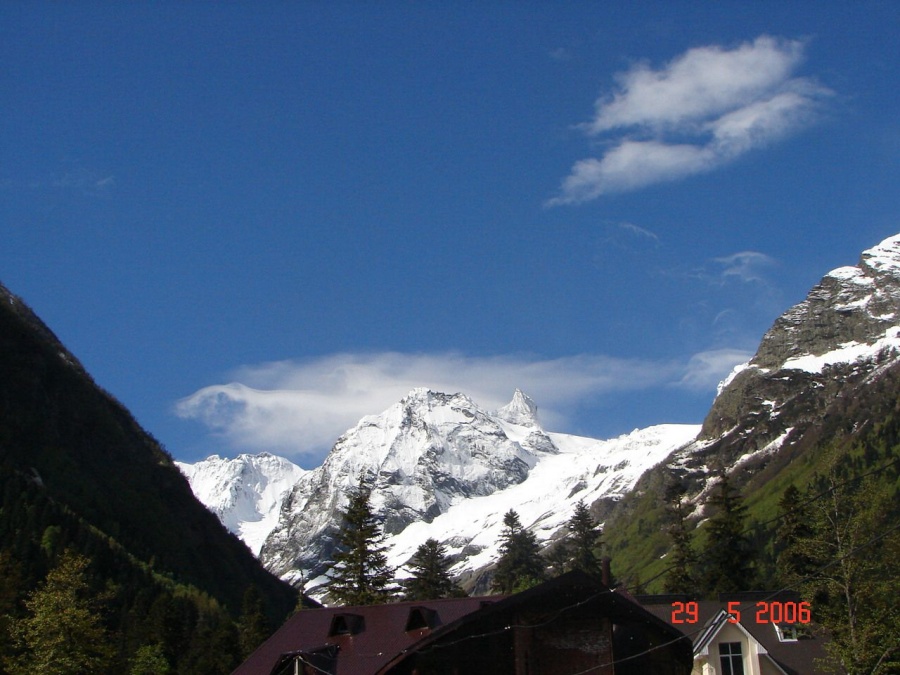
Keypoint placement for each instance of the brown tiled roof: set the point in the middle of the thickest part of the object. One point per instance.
(366, 637)
(363, 640)
(795, 658)
(562, 595)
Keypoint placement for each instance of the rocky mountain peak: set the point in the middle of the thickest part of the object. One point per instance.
(847, 327)
(520, 410)
(850, 305)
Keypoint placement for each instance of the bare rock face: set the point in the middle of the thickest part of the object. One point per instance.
(850, 305)
(846, 328)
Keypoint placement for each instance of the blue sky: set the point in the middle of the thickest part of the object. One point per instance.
(256, 222)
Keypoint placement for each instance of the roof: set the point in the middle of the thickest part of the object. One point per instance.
(366, 637)
(792, 657)
(361, 640)
(573, 592)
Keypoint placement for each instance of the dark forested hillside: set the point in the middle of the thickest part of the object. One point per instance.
(78, 473)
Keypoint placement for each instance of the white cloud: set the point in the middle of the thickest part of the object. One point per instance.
(700, 111)
(631, 165)
(302, 407)
(706, 370)
(638, 231)
(746, 266)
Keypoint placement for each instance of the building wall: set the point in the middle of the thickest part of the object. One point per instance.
(753, 664)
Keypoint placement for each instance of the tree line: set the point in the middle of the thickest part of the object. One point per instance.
(836, 542)
(73, 600)
(360, 574)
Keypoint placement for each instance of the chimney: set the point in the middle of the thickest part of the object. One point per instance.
(605, 576)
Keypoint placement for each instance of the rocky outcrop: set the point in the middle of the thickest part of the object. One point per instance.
(847, 328)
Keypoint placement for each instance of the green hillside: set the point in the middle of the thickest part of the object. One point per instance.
(78, 473)
(860, 430)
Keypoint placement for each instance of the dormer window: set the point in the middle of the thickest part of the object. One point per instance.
(345, 624)
(786, 632)
(420, 617)
(792, 632)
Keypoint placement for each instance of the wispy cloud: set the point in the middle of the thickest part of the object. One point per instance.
(301, 407)
(746, 266)
(639, 232)
(704, 371)
(700, 111)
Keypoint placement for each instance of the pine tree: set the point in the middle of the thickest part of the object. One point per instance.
(431, 580)
(681, 577)
(62, 632)
(585, 542)
(792, 559)
(360, 574)
(520, 565)
(252, 626)
(728, 555)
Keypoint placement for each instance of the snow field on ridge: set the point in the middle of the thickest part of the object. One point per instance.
(584, 468)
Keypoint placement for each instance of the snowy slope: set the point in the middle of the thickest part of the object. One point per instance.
(246, 492)
(581, 469)
(439, 466)
(842, 336)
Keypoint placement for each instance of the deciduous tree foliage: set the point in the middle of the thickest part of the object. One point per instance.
(854, 590)
(62, 632)
(360, 574)
(150, 660)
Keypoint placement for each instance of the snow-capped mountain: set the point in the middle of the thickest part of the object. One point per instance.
(246, 492)
(441, 466)
(840, 338)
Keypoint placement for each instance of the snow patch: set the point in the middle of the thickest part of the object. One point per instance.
(846, 353)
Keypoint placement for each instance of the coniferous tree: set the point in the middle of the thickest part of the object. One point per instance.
(431, 579)
(520, 565)
(585, 542)
(360, 574)
(728, 556)
(62, 632)
(681, 577)
(792, 556)
(252, 626)
(558, 559)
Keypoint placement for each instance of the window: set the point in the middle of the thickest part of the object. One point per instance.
(786, 632)
(420, 617)
(345, 624)
(792, 632)
(732, 660)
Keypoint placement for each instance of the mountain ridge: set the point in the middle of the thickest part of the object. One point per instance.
(835, 343)
(441, 466)
(88, 454)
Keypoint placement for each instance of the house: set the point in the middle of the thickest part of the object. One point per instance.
(568, 625)
(751, 633)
